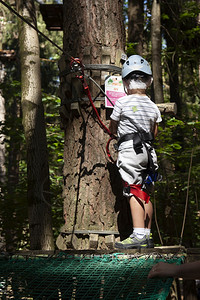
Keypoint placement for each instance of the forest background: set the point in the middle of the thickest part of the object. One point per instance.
(176, 199)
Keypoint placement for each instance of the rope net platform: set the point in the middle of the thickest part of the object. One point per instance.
(66, 276)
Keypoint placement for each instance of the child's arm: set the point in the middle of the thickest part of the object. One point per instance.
(155, 130)
(113, 126)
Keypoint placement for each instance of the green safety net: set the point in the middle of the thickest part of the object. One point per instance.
(64, 276)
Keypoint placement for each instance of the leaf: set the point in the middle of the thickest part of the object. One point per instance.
(176, 146)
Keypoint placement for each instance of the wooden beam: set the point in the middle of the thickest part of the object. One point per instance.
(165, 108)
(168, 108)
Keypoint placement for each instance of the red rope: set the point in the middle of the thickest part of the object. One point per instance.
(107, 149)
(87, 91)
(96, 112)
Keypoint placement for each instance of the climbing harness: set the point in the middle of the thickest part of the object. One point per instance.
(136, 190)
(140, 139)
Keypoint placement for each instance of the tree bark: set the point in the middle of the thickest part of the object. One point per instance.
(2, 159)
(2, 136)
(198, 22)
(136, 24)
(40, 224)
(94, 32)
(156, 52)
(2, 105)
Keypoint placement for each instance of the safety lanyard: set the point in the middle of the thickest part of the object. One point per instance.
(77, 64)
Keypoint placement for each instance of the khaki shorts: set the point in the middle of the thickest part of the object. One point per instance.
(132, 166)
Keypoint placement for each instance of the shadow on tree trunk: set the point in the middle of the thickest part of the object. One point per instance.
(124, 221)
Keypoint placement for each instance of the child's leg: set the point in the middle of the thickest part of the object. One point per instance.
(147, 221)
(148, 214)
(138, 239)
(137, 212)
(141, 217)
(141, 213)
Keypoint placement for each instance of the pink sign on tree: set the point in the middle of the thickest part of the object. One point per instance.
(114, 89)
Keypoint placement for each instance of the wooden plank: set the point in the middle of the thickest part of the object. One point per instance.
(93, 241)
(100, 232)
(163, 249)
(110, 241)
(168, 108)
(165, 108)
(156, 250)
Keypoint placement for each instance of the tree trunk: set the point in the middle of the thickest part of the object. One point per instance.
(94, 32)
(156, 52)
(2, 159)
(41, 236)
(2, 105)
(198, 22)
(2, 136)
(136, 24)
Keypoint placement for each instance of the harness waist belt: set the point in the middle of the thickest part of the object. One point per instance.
(142, 137)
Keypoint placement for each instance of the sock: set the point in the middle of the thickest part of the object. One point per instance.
(139, 232)
(147, 232)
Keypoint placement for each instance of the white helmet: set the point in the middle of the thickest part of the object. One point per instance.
(135, 63)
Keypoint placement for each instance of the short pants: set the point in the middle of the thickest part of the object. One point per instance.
(132, 166)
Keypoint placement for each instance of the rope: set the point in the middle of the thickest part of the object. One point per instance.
(96, 112)
(90, 78)
(187, 197)
(156, 221)
(66, 276)
(77, 65)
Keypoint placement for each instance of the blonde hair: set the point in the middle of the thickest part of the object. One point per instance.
(137, 80)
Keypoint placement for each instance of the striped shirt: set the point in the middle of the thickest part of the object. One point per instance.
(135, 113)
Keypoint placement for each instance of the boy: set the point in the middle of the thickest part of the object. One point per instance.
(135, 119)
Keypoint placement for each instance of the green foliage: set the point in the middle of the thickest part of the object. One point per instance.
(13, 207)
(131, 49)
(174, 147)
(55, 144)
(13, 204)
(9, 29)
